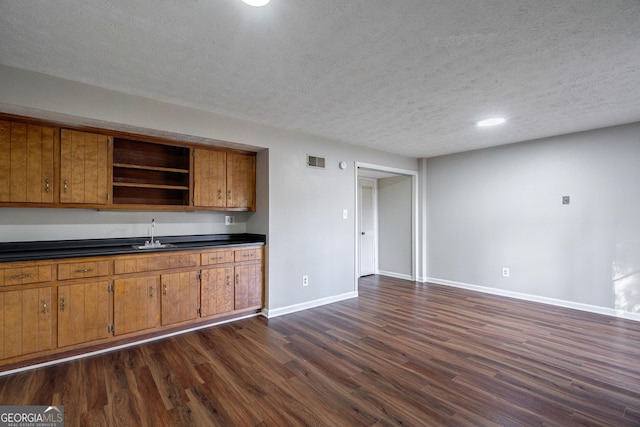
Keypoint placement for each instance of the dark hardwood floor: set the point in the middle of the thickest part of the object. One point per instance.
(402, 353)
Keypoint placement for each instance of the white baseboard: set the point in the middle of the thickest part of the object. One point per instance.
(122, 346)
(395, 275)
(535, 298)
(306, 305)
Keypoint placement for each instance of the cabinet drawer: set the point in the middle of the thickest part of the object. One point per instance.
(151, 263)
(25, 275)
(248, 255)
(221, 257)
(78, 270)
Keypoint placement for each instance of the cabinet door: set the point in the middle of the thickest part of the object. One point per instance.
(135, 304)
(216, 291)
(84, 168)
(180, 294)
(241, 181)
(248, 286)
(25, 322)
(83, 313)
(26, 162)
(209, 178)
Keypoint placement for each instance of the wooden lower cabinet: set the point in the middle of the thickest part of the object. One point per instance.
(248, 286)
(83, 313)
(51, 307)
(180, 295)
(136, 304)
(25, 322)
(216, 291)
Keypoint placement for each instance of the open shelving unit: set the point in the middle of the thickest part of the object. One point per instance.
(146, 173)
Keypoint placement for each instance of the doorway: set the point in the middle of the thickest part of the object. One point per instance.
(386, 224)
(368, 227)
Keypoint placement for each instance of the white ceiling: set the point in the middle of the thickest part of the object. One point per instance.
(405, 76)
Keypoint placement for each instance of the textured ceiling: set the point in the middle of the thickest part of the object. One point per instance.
(404, 76)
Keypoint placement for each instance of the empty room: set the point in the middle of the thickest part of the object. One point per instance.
(332, 213)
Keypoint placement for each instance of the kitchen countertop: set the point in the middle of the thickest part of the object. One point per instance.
(58, 249)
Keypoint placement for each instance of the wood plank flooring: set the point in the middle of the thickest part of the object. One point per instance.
(402, 353)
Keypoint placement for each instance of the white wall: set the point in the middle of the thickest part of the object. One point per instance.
(62, 224)
(395, 226)
(300, 209)
(502, 207)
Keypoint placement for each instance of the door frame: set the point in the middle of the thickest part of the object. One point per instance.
(414, 213)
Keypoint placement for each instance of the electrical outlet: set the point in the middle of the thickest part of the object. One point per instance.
(505, 271)
(345, 214)
(229, 220)
(305, 280)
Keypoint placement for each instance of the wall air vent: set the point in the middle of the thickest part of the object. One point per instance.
(315, 162)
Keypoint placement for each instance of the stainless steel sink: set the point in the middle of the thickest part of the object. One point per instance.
(155, 245)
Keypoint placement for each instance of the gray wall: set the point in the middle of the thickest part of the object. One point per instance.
(300, 209)
(502, 207)
(395, 226)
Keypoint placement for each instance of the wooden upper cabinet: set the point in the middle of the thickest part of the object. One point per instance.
(45, 166)
(241, 181)
(84, 167)
(224, 180)
(27, 162)
(210, 178)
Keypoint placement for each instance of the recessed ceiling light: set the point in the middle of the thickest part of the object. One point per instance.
(256, 3)
(494, 121)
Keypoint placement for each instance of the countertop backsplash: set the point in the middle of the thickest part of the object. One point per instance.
(23, 224)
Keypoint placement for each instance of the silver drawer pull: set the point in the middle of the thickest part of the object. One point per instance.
(86, 270)
(21, 276)
(44, 306)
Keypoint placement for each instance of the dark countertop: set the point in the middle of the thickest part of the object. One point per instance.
(58, 249)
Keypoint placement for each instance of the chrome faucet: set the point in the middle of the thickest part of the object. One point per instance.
(153, 242)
